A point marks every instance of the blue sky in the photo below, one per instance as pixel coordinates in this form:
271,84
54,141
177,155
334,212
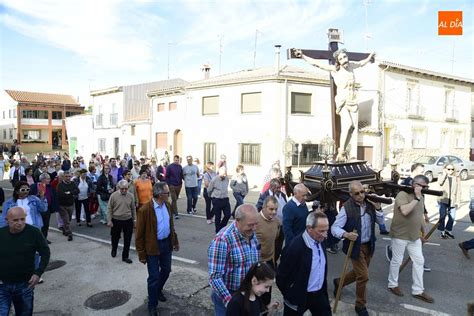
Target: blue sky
69,46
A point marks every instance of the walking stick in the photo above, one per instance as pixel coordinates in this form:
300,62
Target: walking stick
427,236
343,274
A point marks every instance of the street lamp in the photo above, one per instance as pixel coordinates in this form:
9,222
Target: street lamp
326,151
287,147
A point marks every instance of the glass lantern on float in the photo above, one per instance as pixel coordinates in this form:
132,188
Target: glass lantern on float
287,147
326,151
397,143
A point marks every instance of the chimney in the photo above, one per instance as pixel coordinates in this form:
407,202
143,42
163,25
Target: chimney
277,58
206,69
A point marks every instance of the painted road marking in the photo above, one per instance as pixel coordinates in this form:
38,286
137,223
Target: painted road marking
121,245
423,310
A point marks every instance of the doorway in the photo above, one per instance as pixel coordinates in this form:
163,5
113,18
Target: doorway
178,142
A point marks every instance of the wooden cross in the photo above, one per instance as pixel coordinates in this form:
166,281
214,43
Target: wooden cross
328,54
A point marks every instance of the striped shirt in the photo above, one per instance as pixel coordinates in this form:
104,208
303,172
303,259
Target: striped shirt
230,256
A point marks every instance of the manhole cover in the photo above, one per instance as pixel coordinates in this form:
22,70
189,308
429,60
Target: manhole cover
107,299
55,264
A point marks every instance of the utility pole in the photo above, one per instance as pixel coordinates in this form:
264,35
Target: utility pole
452,60
255,48
367,35
220,52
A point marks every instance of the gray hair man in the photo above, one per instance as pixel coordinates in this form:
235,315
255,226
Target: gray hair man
302,272
295,213
19,243
67,190
121,216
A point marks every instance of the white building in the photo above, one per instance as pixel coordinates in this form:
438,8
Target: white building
247,116
430,111
122,119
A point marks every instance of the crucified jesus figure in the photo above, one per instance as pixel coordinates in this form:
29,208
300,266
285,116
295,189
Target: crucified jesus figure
346,98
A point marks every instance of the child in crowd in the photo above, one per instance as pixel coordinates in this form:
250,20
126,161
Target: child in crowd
246,301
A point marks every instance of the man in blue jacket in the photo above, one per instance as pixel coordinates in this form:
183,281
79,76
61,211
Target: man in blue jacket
295,213
301,275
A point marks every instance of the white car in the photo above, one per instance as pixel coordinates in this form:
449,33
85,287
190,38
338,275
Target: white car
434,166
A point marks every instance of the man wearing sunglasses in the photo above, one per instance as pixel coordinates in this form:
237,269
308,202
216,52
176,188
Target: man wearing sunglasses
408,219
360,214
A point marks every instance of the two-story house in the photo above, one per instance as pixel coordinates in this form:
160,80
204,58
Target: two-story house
36,119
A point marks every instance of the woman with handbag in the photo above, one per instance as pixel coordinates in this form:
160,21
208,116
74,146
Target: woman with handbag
104,189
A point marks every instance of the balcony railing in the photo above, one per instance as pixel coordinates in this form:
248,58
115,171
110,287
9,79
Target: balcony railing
416,112
452,115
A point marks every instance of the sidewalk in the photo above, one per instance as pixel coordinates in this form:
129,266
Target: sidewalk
90,269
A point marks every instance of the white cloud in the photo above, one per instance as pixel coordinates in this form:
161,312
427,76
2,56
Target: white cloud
97,31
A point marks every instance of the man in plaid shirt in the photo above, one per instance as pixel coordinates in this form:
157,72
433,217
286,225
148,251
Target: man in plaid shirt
231,254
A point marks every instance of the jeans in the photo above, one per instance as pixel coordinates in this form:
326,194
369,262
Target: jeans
199,186
220,206
85,203
219,307
192,196
207,198
468,244
414,251
102,208
127,227
239,200
159,268
443,211
20,295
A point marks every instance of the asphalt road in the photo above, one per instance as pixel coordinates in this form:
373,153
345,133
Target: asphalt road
450,282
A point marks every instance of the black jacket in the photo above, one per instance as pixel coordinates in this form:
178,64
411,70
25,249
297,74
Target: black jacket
67,199
294,270
102,184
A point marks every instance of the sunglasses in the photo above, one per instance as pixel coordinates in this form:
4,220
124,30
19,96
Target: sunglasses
24,190
358,193
450,169
424,186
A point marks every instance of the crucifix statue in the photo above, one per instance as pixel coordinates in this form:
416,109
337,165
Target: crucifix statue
343,91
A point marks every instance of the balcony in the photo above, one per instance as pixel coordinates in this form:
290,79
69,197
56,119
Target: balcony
452,115
34,121
416,112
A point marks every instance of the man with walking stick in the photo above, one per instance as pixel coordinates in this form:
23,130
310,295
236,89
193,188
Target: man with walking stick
356,224
408,218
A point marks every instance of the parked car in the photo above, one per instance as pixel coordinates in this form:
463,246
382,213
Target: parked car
434,166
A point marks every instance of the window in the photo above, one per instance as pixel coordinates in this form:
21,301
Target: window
68,114
113,119
14,113
132,130
251,102
31,134
98,119
160,107
57,115
101,145
209,153
249,154
418,138
9,113
300,103
413,98
4,132
3,114
459,139
306,156
11,133
210,105
161,140
448,99
32,114
173,106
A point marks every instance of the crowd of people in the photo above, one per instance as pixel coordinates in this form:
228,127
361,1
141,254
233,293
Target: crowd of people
278,239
